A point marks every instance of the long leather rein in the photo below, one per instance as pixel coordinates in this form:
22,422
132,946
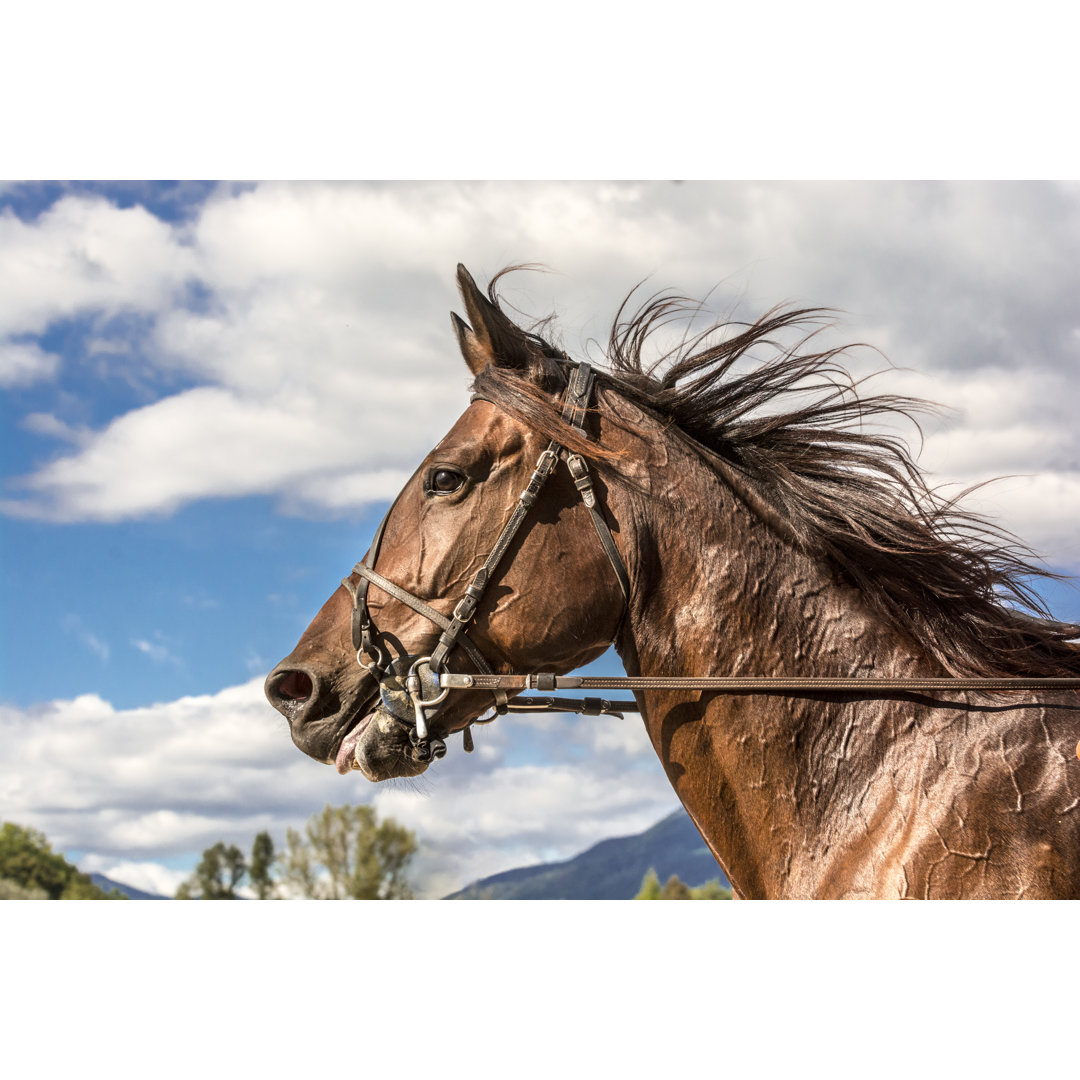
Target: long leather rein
413,688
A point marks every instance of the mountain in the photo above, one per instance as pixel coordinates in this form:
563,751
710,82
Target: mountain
609,870
102,882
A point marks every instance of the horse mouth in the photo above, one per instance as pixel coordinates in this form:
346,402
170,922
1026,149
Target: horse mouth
345,759
377,745
353,730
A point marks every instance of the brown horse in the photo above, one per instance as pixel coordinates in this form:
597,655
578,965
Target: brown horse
778,541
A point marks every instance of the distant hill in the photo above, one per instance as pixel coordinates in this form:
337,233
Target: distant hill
102,882
609,870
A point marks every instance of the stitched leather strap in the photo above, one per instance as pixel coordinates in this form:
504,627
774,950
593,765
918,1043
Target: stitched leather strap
744,684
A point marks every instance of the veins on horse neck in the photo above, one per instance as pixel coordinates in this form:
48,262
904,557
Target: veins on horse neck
723,594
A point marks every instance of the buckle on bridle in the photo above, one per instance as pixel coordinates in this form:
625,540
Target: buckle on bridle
466,606
579,470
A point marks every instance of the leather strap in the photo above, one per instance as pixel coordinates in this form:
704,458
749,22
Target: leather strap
746,684
437,617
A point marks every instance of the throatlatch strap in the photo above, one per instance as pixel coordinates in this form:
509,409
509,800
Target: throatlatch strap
574,412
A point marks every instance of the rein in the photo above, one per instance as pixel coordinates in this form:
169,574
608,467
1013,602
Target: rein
413,688
742,684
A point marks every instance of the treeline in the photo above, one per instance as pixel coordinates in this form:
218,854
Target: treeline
31,870
343,853
674,889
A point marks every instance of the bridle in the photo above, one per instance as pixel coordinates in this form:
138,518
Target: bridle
413,688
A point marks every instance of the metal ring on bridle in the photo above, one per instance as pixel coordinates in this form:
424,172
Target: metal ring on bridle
379,663
415,675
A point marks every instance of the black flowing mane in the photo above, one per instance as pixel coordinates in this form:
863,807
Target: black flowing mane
790,423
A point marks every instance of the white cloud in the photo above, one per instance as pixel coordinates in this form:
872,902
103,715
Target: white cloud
86,255
326,368
157,651
1046,504
151,877
136,787
22,363
1014,428
210,442
47,424
524,815
72,624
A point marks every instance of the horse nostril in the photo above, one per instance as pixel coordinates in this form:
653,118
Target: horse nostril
296,686
301,696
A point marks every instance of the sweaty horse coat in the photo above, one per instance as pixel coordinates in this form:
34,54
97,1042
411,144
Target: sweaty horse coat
789,543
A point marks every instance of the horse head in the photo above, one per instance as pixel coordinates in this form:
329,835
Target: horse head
551,599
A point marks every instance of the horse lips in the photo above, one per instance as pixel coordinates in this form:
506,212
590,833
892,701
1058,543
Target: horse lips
346,756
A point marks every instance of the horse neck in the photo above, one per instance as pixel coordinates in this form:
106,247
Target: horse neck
720,581
718,590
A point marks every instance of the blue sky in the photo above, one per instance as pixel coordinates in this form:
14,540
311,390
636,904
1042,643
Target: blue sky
147,608
201,393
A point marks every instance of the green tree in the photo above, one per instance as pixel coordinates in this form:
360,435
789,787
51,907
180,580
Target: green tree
10,890
32,870
344,852
216,877
674,889
650,886
262,862
711,890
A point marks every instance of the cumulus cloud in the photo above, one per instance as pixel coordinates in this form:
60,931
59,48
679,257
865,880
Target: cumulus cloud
86,255
47,424
1012,428
150,877
525,815
210,442
135,790
312,317
204,442
24,363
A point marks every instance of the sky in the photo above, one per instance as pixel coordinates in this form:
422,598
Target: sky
211,392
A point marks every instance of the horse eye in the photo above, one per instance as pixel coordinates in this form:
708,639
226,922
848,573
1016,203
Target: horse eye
446,481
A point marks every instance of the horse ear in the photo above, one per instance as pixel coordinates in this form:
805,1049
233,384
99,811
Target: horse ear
492,338
476,355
